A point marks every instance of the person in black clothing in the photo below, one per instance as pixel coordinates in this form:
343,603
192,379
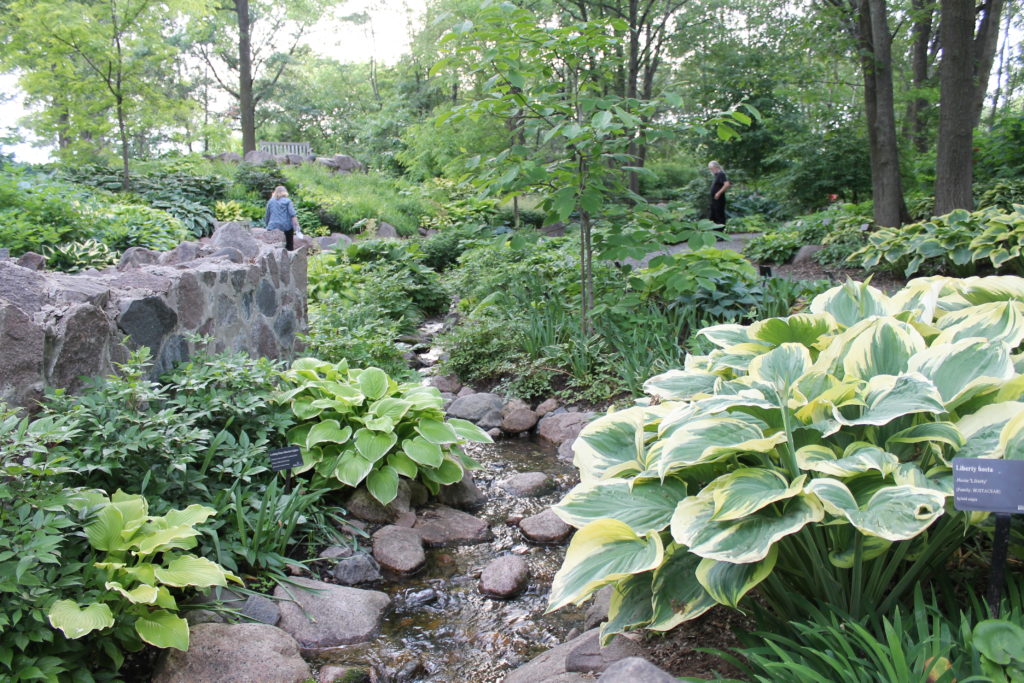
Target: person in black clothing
718,187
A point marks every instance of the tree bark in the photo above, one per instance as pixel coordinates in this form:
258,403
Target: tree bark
984,48
246,102
953,163
922,36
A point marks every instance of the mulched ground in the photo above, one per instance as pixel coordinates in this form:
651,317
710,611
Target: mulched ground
679,651
887,282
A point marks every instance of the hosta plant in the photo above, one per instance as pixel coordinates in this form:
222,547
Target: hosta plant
807,455
73,257
144,560
359,425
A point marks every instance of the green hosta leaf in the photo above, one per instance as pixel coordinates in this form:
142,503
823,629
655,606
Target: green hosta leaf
801,328
871,547
383,484
1000,321
602,552
677,385
304,408
394,408
982,429
467,431
373,382
748,489
883,347
1011,439
104,531
379,424
888,397
1000,641
611,445
851,303
448,473
678,595
939,432
165,539
424,398
328,431
189,570
142,594
711,439
75,621
991,289
162,629
727,583
724,336
374,445
961,369
190,516
403,464
423,452
643,505
858,458
743,540
437,432
894,513
352,469
780,369
630,605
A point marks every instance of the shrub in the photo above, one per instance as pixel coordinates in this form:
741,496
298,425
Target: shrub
121,226
1003,195
806,456
719,283
774,247
260,179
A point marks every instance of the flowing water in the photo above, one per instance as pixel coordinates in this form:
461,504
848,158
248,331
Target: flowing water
439,627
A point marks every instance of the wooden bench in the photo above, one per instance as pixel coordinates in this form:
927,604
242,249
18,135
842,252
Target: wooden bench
302,148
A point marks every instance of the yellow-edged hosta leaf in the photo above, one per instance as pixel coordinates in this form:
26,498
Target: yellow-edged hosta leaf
1011,439
677,385
780,368
424,398
909,474
611,445
719,403
383,484
984,290
189,570
352,468
727,583
937,432
165,539
373,382
644,505
882,348
726,335
894,513
374,445
846,555
743,540
858,457
678,595
921,296
422,452
736,358
802,328
747,490
887,397
403,464
467,431
630,605
448,473
983,428
604,551
75,621
394,408
961,369
329,431
997,321
710,439
851,303
142,594
163,629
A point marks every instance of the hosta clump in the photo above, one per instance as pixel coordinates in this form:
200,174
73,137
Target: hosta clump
360,425
805,455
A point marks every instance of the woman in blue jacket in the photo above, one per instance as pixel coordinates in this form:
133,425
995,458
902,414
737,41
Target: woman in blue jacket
281,216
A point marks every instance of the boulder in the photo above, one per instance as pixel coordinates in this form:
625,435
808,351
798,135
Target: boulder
520,420
32,261
464,494
440,525
334,239
475,407
546,407
327,161
249,653
528,484
446,384
234,157
183,253
588,656
252,606
491,420
326,615
346,164
560,427
359,568
293,159
554,664
505,577
133,257
257,157
565,451
229,253
635,670
237,236
597,611
399,549
545,527
386,231
464,391
367,508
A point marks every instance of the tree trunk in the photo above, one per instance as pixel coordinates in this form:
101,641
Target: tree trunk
984,52
246,103
922,36
953,164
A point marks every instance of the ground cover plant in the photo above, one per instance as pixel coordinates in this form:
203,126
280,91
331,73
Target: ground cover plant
807,456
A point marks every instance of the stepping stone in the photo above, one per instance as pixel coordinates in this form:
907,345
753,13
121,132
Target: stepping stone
440,525
546,527
399,549
234,652
326,615
465,494
505,577
359,568
528,484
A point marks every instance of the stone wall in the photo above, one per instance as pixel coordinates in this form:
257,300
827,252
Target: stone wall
240,287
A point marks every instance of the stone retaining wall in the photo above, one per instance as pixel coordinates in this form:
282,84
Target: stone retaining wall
241,287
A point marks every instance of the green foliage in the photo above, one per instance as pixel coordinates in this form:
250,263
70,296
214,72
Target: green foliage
667,175
72,257
1002,194
158,181
441,251
835,164
261,179
361,331
359,425
774,247
721,284
231,210
807,456
999,156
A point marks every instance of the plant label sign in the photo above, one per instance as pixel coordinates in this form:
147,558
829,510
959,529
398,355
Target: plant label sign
988,485
285,458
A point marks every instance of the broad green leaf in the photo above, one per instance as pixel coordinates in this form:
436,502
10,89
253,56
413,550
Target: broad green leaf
999,321
403,464
374,445
373,382
448,473
938,432
708,440
424,398
467,431
604,551
1011,439
75,621
727,583
859,458
741,541
383,484
780,368
162,629
328,431
165,539
394,408
801,328
724,336
852,302
1001,641
142,594
423,452
352,469
845,556
960,369
991,289
304,408
887,397
643,505
678,594
894,513
190,516
748,489
677,385
437,432
104,531
189,570
882,348
982,429
630,605
611,445
379,424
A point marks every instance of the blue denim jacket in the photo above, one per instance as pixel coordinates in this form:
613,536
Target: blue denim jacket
279,214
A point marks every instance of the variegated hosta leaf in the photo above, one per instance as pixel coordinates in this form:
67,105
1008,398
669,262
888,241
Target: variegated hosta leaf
719,403
747,490
894,513
882,348
677,385
887,397
937,432
710,439
998,321
602,552
724,336
858,457
630,606
727,583
743,540
961,369
845,555
163,629
678,595
921,296
1011,439
611,445
851,303
735,358
189,570
780,369
643,505
940,479
982,429
983,290
801,328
